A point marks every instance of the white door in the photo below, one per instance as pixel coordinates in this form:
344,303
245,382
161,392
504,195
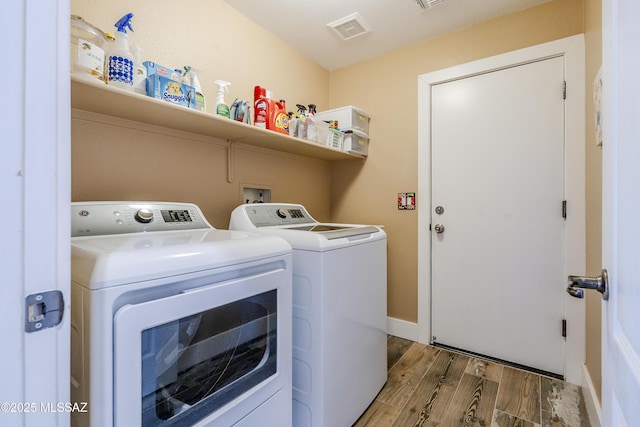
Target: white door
621,212
35,180
497,193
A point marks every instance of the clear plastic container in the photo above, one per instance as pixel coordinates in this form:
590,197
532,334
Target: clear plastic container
335,138
87,49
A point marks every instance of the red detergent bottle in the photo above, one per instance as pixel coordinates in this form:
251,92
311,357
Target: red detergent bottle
268,113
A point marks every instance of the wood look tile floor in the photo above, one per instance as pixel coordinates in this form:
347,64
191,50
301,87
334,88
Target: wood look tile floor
428,386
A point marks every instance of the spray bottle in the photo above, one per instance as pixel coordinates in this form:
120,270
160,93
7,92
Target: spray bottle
121,61
191,77
222,109
292,123
310,130
240,111
296,126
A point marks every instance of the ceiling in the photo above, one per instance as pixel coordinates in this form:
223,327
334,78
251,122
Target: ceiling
393,23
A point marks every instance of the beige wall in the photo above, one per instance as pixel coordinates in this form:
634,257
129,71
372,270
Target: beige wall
220,42
386,87
115,160
593,43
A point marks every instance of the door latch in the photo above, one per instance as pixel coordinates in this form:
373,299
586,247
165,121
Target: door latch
43,310
599,283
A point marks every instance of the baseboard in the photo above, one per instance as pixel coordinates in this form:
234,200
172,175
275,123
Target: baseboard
590,396
402,328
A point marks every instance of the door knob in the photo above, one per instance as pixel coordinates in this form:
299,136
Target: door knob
439,228
599,283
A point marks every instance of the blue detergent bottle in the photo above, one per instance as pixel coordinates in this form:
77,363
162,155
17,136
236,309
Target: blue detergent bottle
121,60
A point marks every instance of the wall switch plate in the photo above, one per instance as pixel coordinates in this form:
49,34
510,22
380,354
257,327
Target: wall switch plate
406,201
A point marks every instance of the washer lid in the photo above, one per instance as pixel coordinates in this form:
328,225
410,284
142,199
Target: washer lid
299,228
104,261
335,231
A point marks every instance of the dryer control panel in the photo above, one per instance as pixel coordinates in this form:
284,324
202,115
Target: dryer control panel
102,218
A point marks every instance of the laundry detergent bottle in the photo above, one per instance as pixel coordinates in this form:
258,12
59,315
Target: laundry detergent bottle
260,107
280,119
121,60
268,113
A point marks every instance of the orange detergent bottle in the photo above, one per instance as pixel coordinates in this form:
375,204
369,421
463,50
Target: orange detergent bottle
269,113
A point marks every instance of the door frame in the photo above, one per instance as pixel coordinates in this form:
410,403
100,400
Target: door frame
36,189
572,50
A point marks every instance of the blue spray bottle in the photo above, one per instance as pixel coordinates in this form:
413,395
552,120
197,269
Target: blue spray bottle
121,60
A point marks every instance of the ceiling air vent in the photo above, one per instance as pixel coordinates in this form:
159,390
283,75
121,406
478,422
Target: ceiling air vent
429,3
350,26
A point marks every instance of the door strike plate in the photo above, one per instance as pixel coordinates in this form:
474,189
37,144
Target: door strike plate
43,310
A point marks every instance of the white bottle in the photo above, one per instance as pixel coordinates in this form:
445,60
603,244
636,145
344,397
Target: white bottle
121,61
108,47
193,79
139,71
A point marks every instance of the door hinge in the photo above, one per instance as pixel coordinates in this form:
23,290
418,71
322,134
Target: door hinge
564,89
564,328
564,209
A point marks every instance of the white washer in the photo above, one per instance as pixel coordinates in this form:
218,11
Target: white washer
176,323
339,311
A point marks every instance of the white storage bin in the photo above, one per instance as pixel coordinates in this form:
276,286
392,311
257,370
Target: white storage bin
355,142
349,117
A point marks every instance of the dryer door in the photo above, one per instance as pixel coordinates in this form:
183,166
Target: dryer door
210,353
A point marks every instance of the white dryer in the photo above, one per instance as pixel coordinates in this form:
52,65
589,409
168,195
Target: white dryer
176,323
339,310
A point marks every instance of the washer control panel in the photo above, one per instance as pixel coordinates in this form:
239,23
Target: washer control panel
101,218
273,214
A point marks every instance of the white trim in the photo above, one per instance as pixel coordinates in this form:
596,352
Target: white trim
572,50
594,409
35,172
402,328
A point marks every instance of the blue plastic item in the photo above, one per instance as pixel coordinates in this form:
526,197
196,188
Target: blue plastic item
124,23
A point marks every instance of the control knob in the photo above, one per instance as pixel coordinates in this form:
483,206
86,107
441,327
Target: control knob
281,213
144,215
